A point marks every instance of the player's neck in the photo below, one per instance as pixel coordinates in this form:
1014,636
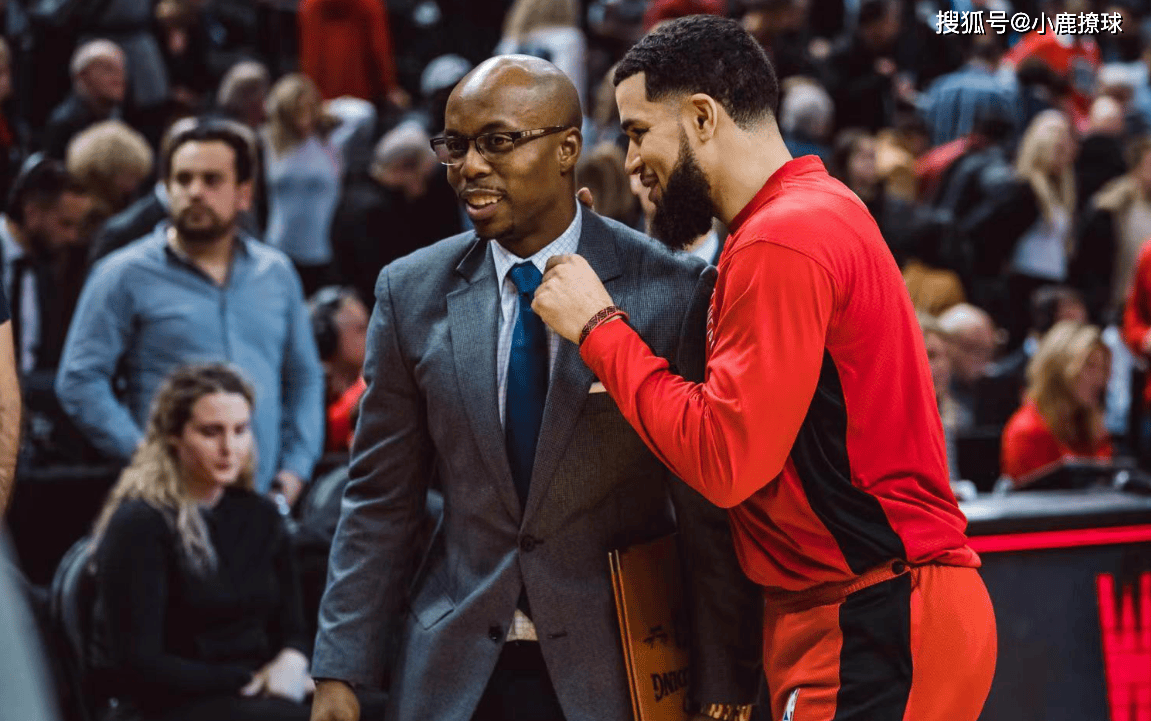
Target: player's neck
760,154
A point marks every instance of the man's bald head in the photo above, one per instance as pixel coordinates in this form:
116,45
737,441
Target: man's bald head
532,84
519,118
975,340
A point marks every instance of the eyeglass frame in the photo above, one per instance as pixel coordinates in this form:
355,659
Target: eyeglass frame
516,136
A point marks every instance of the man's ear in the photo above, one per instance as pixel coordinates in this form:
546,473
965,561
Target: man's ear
569,149
244,195
703,115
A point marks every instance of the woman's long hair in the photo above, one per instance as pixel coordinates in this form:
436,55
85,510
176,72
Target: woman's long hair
154,476
1054,188
1051,375
287,97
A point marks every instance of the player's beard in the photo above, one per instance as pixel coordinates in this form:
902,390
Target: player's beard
684,211
216,229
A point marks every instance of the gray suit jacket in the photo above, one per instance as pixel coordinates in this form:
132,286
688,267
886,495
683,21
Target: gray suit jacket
431,412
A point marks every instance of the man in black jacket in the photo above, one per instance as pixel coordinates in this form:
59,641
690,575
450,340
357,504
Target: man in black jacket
99,83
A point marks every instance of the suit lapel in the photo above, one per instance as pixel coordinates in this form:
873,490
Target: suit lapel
473,315
571,378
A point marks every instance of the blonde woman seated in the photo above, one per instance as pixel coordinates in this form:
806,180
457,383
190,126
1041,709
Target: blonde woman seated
198,612
1062,412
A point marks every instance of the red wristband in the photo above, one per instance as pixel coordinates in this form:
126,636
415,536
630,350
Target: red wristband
612,311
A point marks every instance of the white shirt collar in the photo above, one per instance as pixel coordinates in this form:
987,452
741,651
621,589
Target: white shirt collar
566,243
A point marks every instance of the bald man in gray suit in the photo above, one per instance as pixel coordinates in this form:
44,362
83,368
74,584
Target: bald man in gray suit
511,614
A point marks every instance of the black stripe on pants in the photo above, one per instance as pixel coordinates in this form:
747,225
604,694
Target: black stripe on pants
875,662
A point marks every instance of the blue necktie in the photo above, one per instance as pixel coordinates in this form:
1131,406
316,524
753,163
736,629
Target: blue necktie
527,386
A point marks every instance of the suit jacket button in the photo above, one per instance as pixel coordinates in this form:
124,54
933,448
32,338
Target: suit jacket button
495,633
527,544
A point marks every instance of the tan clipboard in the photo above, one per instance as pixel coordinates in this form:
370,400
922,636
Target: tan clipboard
649,598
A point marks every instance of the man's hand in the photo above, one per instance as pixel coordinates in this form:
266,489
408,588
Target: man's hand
584,196
569,295
290,485
285,676
335,701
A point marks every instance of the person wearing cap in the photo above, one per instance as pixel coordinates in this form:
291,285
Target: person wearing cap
99,84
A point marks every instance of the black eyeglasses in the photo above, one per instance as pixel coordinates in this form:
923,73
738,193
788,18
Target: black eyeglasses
452,149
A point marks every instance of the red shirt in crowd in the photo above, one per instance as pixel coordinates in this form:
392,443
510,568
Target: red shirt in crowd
1137,311
1075,58
345,47
1029,444
816,423
340,412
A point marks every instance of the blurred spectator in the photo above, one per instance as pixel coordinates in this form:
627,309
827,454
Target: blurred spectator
1026,227
346,49
43,221
1074,59
438,80
1100,157
780,27
898,150
937,343
403,203
13,131
1040,88
198,611
1137,332
131,23
953,103
1062,416
243,91
933,287
99,84
1001,388
354,134
340,325
974,342
549,29
853,161
659,11
303,171
142,216
861,71
1045,164
184,43
1115,225
806,117
601,170
198,289
111,161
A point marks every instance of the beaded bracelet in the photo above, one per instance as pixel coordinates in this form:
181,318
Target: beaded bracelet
612,311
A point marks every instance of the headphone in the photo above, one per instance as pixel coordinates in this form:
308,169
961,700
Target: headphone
323,306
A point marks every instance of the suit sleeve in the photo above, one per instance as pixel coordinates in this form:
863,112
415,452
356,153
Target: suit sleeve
382,511
730,435
727,625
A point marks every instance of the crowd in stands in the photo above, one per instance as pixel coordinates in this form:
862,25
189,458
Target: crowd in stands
1009,174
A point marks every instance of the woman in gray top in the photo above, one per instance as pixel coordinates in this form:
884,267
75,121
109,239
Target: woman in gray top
303,174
